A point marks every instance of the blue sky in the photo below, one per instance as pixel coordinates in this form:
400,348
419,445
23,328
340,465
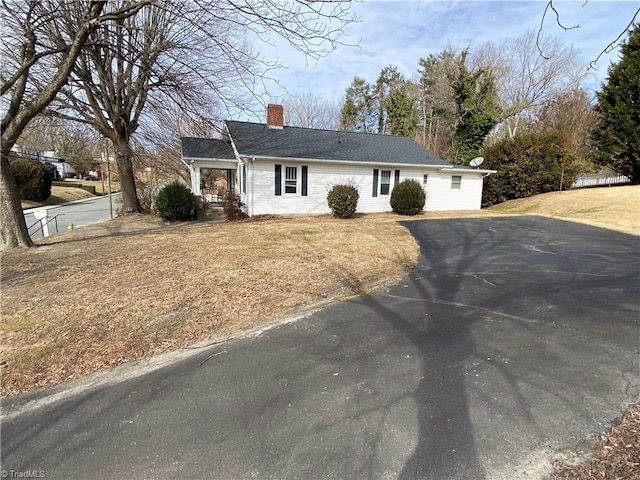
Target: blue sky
395,32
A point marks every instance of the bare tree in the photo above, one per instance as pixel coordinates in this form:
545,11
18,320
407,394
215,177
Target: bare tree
126,64
311,111
162,130
571,113
526,79
78,144
182,53
25,47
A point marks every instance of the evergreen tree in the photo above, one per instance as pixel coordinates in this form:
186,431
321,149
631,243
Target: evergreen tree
459,105
478,110
358,114
389,82
617,138
388,107
402,111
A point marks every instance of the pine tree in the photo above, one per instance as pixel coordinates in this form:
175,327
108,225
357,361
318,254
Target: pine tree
617,138
389,82
358,114
402,111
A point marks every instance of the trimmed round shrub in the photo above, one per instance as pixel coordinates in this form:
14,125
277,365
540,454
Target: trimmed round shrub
343,200
33,179
233,207
408,197
175,202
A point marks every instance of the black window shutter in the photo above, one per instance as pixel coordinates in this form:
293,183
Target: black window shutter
278,179
397,177
375,183
304,180
244,178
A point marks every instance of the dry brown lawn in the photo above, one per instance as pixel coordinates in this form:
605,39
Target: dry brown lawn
616,455
58,196
136,286
87,302
616,208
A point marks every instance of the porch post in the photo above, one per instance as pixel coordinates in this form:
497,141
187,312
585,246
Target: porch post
195,180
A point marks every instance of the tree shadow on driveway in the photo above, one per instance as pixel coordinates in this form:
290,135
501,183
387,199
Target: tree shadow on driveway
425,308
525,326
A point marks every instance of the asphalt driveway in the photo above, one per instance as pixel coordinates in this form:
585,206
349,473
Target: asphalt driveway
514,341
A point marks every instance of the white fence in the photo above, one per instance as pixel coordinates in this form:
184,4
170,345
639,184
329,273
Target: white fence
599,180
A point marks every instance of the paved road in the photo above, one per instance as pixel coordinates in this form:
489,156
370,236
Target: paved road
80,213
515,340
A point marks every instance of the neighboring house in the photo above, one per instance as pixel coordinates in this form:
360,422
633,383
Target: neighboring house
283,170
64,169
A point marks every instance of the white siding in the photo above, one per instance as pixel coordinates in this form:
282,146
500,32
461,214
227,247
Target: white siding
261,198
440,195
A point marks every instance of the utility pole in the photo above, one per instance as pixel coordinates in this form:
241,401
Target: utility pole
106,154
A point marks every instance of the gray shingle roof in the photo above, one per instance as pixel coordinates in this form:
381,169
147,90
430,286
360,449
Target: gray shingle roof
255,139
206,148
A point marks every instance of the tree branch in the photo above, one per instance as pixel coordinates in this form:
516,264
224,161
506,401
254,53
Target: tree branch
612,45
551,6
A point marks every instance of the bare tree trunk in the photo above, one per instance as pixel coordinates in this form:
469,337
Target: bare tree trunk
130,201
24,107
513,130
12,223
431,145
424,126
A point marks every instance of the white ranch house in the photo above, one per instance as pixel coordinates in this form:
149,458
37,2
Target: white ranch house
279,169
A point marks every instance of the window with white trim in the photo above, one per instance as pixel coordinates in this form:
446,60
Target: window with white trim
385,182
456,182
291,180
425,177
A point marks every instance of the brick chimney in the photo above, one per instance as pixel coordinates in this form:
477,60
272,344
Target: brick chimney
275,116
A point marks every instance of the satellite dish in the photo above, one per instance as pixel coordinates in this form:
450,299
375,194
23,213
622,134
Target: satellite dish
476,162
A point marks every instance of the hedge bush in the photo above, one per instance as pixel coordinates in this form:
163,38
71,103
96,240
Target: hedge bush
175,202
233,207
343,200
33,179
408,197
528,165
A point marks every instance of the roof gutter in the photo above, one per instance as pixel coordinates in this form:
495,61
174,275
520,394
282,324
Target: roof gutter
467,170
346,162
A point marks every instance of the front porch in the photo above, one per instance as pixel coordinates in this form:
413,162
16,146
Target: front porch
213,167
212,179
